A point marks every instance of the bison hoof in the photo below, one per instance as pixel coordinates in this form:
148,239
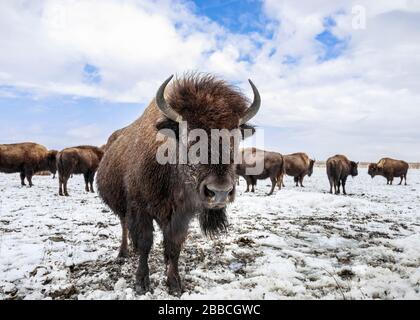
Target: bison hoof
175,286
143,286
122,256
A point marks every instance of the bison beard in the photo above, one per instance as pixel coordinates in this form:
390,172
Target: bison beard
213,221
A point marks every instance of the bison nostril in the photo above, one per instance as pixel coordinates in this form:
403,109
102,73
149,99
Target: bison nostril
208,193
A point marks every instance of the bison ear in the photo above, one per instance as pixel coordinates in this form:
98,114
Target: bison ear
247,130
165,124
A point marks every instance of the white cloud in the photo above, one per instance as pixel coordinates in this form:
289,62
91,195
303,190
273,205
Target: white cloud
368,96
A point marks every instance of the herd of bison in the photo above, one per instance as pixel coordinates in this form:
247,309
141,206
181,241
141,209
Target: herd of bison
140,190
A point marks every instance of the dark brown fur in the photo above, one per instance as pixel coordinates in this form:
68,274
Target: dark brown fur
338,169
390,169
26,158
297,165
273,167
78,160
139,189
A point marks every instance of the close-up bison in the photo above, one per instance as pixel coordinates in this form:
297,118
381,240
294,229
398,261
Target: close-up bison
27,158
140,190
203,185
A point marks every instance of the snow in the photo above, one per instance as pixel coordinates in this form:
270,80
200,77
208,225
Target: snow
300,243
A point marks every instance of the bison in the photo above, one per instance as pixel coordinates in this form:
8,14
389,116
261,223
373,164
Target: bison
390,169
140,189
297,165
272,164
338,169
78,160
27,158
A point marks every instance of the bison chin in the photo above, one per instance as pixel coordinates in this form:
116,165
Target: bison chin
213,221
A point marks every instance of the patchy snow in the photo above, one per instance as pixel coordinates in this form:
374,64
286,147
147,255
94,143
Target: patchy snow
300,243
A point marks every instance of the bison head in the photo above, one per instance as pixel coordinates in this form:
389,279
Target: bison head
204,104
311,167
372,169
353,168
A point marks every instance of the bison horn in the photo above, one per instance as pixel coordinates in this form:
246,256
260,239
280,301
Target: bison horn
255,106
163,106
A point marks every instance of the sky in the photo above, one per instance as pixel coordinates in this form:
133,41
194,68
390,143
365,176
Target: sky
334,76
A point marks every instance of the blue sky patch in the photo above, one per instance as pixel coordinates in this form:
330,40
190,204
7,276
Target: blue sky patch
91,74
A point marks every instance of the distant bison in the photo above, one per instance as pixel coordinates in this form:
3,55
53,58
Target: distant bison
78,160
338,169
26,158
297,165
271,162
140,189
390,169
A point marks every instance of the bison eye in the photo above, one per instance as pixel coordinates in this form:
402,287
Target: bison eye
208,192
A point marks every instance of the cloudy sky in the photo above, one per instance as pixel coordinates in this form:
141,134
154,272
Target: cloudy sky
335,76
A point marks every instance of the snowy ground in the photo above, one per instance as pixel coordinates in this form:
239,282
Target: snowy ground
296,244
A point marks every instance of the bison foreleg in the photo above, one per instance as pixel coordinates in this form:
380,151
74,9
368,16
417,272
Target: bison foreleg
140,225
86,176
22,179
28,174
301,181
172,249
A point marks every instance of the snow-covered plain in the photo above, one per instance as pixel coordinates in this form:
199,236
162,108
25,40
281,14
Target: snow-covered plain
300,243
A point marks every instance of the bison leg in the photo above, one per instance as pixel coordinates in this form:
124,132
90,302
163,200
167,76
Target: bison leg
301,181
296,181
28,174
65,180
248,183
337,186
60,185
91,178
172,249
343,183
140,225
273,186
86,176
123,254
22,179
402,177
405,179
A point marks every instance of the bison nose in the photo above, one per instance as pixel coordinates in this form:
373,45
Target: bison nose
218,196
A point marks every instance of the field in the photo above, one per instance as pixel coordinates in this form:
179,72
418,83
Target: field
300,243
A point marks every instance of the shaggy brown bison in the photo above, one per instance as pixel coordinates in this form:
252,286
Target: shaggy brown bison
78,160
390,169
140,189
271,164
338,169
297,165
26,158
